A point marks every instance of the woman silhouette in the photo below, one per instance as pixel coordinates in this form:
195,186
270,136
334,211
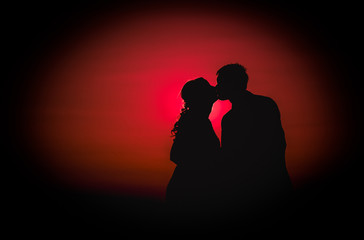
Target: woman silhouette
195,149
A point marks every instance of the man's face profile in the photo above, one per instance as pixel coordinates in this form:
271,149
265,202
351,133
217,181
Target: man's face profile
224,87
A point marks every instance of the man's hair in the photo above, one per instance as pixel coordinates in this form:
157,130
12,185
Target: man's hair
235,72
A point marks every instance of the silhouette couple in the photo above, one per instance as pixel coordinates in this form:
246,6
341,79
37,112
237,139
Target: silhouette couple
246,173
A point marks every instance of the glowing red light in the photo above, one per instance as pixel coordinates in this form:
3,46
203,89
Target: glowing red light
111,96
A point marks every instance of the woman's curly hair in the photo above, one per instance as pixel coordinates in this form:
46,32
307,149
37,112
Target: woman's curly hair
179,122
193,92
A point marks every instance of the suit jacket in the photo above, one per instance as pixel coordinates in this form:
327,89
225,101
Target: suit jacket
253,145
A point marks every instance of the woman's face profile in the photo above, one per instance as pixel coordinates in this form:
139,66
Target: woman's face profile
199,94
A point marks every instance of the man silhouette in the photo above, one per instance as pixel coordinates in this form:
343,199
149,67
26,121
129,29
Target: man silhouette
253,144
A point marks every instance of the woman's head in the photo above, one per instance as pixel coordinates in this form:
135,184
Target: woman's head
198,94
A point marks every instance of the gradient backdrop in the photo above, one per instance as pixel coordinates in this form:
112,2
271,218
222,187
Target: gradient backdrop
107,93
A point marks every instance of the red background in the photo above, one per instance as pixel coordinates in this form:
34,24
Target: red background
109,94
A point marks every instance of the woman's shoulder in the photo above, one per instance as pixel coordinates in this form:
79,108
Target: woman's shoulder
193,126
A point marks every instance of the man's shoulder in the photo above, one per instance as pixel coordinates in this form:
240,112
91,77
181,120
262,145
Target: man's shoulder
264,102
267,105
263,99
227,116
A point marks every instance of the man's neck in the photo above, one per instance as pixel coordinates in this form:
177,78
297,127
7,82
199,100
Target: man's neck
239,98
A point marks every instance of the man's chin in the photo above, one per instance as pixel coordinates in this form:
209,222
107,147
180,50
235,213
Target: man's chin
222,98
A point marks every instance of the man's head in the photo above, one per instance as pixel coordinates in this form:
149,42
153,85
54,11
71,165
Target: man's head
231,80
